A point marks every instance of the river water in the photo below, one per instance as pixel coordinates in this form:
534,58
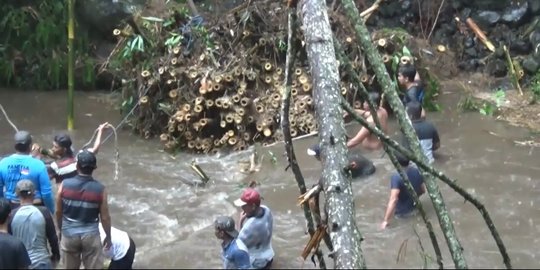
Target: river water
172,222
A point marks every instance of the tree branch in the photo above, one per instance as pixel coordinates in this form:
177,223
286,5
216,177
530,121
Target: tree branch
285,126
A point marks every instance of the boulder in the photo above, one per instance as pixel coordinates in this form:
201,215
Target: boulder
496,68
487,18
516,13
530,65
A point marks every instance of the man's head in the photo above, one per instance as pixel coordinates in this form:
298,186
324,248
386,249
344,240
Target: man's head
250,201
62,145
25,189
86,162
314,151
224,227
23,141
375,97
406,74
403,160
5,210
414,110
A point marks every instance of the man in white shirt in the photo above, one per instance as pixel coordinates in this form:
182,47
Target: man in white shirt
122,251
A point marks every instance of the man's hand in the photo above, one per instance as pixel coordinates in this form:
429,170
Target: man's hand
36,150
104,125
384,224
107,243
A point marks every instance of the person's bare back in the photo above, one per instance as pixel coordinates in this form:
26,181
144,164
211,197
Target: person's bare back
372,142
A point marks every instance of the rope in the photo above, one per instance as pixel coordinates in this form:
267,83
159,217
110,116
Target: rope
7,118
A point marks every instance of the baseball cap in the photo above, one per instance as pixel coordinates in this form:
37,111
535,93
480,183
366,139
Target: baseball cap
25,186
63,140
86,159
23,137
226,224
249,196
314,150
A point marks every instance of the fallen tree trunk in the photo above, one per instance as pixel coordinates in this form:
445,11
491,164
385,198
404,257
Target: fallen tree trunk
341,221
390,92
286,128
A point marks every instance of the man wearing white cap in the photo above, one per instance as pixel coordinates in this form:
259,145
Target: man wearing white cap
256,226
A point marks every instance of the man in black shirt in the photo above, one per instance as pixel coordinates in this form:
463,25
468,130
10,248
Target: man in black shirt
358,164
413,91
425,130
13,254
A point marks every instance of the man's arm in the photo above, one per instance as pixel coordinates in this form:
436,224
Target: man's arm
59,208
45,189
97,143
105,218
391,207
422,189
358,138
241,259
51,234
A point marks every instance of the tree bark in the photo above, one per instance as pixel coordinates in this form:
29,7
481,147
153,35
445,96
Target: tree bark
390,92
285,126
365,95
344,233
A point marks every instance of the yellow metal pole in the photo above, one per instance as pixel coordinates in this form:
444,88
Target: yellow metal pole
71,64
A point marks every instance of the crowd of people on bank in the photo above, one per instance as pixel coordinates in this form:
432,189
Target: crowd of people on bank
40,227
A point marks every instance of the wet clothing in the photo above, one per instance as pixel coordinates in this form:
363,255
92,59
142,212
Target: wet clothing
13,254
62,169
122,251
413,94
235,255
256,234
405,204
21,166
34,226
364,166
427,135
82,197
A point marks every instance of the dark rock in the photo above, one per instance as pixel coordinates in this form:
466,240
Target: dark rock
520,47
530,65
534,37
469,42
516,13
534,6
469,65
391,9
102,16
499,52
465,13
536,55
488,18
496,68
471,52
406,5
496,5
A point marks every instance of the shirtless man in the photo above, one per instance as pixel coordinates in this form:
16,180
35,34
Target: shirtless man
367,140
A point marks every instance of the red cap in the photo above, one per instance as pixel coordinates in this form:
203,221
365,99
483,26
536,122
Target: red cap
249,196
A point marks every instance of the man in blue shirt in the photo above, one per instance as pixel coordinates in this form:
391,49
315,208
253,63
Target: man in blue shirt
22,165
408,79
401,203
235,252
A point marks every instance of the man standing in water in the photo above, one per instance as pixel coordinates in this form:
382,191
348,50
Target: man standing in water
82,204
34,226
401,203
256,226
235,253
22,165
409,79
358,164
425,131
122,251
364,137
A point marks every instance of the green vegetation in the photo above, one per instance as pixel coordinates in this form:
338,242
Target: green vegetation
485,107
33,47
535,87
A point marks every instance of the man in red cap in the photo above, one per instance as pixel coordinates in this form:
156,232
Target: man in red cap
256,225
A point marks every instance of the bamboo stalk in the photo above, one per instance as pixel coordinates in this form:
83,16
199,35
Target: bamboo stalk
480,34
71,65
513,74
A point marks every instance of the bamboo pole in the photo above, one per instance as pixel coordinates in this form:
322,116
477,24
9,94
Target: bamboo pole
447,226
71,65
513,75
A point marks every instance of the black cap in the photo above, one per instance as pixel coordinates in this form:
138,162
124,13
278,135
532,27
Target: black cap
63,140
23,137
226,224
86,159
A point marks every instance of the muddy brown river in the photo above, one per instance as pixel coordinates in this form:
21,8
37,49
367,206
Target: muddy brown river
171,222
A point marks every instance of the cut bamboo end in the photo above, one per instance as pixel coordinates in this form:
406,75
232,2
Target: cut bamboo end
193,74
230,133
364,78
405,60
241,91
250,119
161,70
241,128
275,77
204,121
174,61
275,104
196,126
259,127
228,78
198,108
292,122
349,39
191,144
267,132
171,129
268,79
276,96
145,74
218,78
229,118
179,118
279,71
173,94
232,141
116,32
143,100
237,71
170,81
209,103
222,123
226,104
298,71
262,41
217,142
259,108
306,87
267,66
294,133
277,85
302,79
246,136
216,87
343,91
251,76
199,100
241,111
357,104
219,103
386,58
294,84
441,48
242,85
238,119
176,50
187,117
180,127
294,92
309,100
186,107
302,104
244,101
236,98
214,151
